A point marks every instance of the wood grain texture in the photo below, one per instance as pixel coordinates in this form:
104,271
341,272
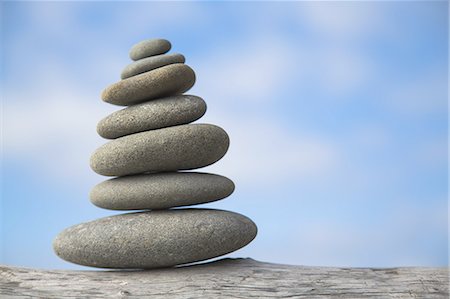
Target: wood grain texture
227,278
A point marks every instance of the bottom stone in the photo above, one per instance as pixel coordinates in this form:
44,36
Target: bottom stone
154,239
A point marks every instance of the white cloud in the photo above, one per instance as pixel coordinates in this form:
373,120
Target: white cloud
247,70
373,136
259,67
401,236
53,18
340,71
338,64
52,129
433,153
262,151
148,18
424,95
341,20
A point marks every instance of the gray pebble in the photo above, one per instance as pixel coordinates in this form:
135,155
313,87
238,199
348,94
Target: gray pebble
154,239
160,190
161,82
149,48
160,113
150,63
174,148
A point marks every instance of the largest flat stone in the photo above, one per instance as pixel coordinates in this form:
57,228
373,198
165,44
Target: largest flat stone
168,80
168,149
154,239
160,190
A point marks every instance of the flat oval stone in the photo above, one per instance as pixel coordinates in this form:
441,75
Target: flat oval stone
160,190
149,47
156,114
174,148
150,63
154,239
161,82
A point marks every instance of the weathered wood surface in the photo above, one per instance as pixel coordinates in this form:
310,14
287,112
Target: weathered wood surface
227,278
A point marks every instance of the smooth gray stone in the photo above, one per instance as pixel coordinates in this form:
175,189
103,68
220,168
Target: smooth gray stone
149,47
156,114
150,63
160,190
154,239
174,148
168,80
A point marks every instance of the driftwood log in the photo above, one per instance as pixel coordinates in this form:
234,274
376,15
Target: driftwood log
227,278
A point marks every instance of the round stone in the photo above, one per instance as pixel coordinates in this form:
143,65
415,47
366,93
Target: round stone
160,190
154,239
174,148
150,63
149,48
156,114
161,82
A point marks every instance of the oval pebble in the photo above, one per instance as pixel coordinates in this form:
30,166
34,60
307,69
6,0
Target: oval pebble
149,47
168,80
174,148
154,239
156,114
150,63
160,190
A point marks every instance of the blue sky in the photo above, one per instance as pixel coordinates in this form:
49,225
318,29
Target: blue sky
337,114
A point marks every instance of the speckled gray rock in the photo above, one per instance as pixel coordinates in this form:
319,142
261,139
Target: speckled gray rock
160,190
164,81
155,114
149,47
150,63
175,148
155,239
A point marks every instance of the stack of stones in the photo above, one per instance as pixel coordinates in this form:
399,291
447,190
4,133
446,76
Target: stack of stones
152,141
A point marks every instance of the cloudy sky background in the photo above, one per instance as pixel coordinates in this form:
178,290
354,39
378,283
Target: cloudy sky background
337,114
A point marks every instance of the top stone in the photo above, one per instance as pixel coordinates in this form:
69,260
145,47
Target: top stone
149,48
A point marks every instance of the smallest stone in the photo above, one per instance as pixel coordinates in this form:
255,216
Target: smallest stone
149,48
